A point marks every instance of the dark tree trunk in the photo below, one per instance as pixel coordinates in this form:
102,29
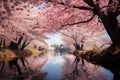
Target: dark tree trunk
15,63
111,26
116,75
15,46
77,46
81,46
25,43
77,59
2,43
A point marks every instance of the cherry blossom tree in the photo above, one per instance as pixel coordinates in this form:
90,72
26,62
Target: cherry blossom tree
20,19
80,38
64,13
75,37
83,11
73,12
106,12
20,23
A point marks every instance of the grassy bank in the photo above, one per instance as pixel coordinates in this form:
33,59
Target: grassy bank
7,54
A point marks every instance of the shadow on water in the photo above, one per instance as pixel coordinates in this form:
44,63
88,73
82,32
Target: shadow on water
54,66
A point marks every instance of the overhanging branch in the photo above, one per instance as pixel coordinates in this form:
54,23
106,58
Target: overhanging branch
73,6
70,24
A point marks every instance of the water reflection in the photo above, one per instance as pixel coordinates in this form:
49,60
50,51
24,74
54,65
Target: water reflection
60,68
87,72
54,66
14,70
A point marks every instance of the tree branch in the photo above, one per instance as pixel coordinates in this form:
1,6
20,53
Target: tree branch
104,44
89,2
73,6
80,21
82,7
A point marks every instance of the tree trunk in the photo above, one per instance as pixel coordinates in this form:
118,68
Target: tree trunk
25,43
111,25
4,44
116,75
77,46
15,46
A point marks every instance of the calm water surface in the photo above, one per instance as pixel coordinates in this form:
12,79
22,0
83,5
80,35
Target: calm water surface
54,65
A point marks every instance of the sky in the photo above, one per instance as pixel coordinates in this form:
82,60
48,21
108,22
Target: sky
42,6
54,39
106,35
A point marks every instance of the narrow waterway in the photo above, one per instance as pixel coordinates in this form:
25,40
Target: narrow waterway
57,67
53,67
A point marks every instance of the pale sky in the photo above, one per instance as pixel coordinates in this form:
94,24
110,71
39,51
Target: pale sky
41,6
54,39
106,35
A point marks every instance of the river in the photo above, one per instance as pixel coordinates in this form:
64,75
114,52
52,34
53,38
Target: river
55,66
58,66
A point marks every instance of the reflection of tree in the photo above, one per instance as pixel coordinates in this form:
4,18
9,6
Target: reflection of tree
79,37
15,46
76,61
